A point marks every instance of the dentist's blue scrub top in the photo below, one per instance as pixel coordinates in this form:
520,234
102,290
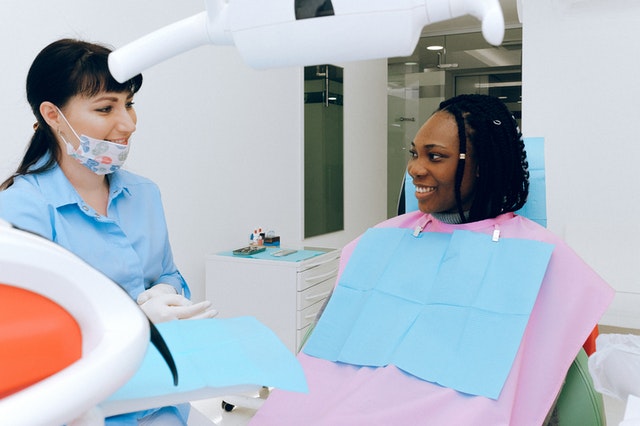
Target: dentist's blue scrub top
130,245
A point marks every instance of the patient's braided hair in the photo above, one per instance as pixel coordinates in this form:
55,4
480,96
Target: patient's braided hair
503,182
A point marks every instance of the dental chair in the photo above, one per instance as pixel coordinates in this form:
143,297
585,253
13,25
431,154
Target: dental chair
69,337
579,403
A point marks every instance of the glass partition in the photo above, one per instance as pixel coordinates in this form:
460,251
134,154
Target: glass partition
323,150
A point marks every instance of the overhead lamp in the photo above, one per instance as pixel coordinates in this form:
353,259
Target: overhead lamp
280,33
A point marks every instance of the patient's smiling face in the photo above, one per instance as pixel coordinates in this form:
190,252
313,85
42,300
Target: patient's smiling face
434,159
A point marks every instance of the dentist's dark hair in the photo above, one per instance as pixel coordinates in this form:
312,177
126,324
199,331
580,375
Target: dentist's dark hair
491,129
62,70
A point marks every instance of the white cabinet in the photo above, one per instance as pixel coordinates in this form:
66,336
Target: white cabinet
284,295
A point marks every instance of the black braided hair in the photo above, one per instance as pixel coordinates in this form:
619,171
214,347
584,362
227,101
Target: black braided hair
498,149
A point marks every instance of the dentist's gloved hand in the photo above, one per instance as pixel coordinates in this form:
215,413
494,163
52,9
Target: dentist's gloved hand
156,290
161,303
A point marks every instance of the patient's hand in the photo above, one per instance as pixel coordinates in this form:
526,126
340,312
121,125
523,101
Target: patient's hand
161,303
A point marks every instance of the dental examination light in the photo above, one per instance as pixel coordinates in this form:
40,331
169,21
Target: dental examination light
281,33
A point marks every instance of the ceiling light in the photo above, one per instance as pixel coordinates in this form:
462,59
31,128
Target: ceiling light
500,84
435,47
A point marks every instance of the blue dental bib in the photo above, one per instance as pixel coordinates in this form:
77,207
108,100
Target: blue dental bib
447,308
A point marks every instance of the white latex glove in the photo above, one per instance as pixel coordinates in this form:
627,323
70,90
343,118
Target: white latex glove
163,304
154,291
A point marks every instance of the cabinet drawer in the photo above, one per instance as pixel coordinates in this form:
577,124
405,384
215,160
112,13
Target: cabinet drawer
306,316
318,274
315,294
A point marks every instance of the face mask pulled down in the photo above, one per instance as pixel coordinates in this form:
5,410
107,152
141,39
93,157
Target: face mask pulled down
100,156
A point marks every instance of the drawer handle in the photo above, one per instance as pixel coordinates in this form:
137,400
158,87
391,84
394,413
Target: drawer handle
324,262
322,277
318,296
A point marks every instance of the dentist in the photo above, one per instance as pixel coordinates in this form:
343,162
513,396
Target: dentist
70,186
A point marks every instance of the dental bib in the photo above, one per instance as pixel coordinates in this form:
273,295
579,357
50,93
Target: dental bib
447,308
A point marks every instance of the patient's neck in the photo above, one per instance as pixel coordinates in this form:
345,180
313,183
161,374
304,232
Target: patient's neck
450,218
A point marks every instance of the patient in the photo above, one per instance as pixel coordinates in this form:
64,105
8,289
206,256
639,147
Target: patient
469,168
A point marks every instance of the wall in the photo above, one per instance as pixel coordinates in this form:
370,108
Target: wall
223,141
580,93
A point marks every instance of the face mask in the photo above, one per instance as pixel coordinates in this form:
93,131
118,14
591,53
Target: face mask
100,156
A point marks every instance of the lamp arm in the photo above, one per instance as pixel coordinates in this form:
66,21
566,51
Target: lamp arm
158,46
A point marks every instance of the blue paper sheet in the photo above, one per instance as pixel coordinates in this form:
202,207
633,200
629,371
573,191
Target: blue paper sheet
215,353
447,308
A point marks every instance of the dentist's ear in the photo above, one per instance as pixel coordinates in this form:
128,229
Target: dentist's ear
51,115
